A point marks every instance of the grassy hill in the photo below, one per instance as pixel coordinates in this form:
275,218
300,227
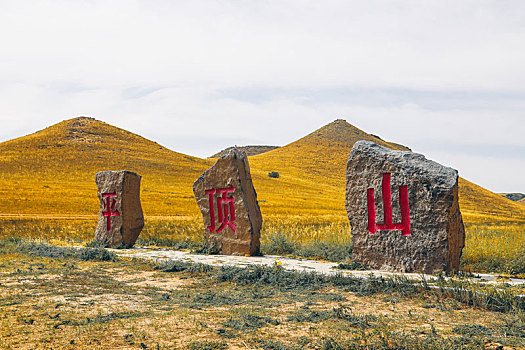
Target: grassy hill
312,177
52,172
311,171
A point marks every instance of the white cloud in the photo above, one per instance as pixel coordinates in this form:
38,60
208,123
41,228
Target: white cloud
198,76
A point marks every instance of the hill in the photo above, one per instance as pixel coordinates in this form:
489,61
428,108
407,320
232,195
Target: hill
481,205
250,150
311,171
52,172
312,177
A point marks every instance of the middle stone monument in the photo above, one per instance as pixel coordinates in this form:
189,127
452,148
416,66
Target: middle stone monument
228,202
403,209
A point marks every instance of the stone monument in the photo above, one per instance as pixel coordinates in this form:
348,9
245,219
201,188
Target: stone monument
228,202
403,210
120,219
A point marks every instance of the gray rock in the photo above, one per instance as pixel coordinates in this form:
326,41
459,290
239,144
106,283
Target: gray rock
421,228
228,202
120,219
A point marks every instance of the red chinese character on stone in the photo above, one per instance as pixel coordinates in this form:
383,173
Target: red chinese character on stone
387,224
225,209
110,208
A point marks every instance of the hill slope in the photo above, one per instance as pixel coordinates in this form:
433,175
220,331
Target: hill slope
312,177
311,171
52,170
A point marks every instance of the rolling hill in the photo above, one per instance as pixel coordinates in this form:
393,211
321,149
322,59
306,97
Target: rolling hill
52,172
311,171
312,174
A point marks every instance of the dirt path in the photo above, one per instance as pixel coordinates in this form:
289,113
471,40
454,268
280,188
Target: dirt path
323,267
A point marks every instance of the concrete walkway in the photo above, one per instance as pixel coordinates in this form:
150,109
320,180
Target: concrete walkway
322,267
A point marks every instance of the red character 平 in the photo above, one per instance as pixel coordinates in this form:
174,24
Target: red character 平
109,208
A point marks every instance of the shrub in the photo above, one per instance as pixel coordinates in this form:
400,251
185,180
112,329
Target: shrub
207,345
249,322
179,266
273,174
50,251
167,242
279,244
472,330
275,276
98,254
328,251
338,313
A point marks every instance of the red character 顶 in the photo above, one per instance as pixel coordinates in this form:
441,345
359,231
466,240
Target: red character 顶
387,224
109,207
225,209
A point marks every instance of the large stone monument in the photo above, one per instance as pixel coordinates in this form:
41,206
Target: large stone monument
403,210
228,202
120,218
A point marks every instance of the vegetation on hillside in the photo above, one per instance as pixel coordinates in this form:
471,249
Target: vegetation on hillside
48,191
52,172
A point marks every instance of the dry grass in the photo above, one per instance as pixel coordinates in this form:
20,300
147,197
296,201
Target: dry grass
48,191
52,172
495,248
68,303
488,247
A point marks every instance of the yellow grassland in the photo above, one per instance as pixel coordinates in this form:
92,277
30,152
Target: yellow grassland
483,241
52,172
49,177
498,241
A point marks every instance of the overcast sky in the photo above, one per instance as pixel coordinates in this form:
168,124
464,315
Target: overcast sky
446,78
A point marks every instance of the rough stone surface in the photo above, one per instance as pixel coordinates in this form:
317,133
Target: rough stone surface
238,235
121,189
437,234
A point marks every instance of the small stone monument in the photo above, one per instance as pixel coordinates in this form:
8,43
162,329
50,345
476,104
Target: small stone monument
403,210
120,218
228,202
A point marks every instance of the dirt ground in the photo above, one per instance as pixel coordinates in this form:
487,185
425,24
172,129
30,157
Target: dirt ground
50,303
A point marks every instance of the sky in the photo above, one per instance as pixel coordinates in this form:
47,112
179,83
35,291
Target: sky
446,78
